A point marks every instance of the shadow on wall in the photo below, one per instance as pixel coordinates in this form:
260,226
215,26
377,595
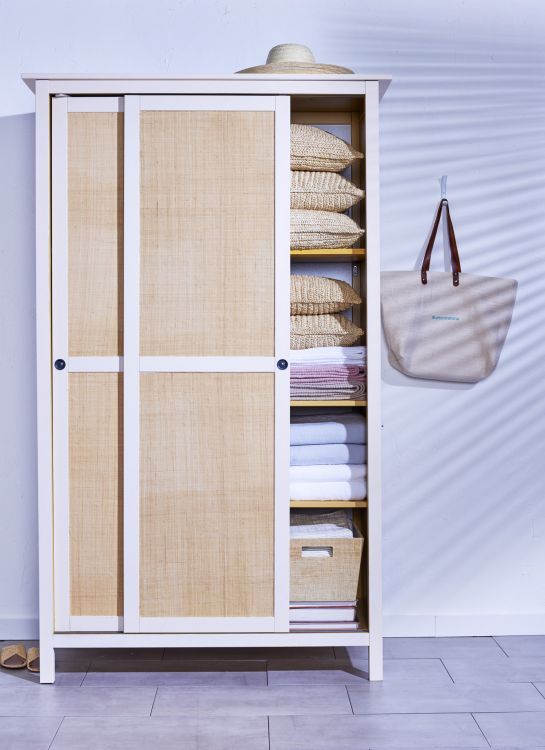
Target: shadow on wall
18,507
464,517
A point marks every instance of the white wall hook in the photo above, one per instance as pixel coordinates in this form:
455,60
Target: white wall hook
444,186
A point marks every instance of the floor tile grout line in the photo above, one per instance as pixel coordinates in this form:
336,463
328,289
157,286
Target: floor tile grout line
349,700
480,729
86,673
446,669
538,690
56,733
499,645
154,699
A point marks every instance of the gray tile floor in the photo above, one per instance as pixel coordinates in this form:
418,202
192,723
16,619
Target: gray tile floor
437,693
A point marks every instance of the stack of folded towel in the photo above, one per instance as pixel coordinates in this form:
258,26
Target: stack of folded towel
328,373
336,524
328,452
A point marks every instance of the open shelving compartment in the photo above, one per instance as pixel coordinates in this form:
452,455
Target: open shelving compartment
344,117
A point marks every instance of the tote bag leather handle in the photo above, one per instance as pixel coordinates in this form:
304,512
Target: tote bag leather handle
454,256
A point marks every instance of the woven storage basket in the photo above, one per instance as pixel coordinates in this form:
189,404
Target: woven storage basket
316,229
317,295
332,578
332,329
323,191
312,149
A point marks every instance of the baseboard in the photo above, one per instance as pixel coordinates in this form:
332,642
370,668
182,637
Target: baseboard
18,628
401,626
497,624
463,625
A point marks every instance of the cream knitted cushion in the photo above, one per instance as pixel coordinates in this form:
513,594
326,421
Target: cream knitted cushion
316,229
334,329
316,295
323,191
312,149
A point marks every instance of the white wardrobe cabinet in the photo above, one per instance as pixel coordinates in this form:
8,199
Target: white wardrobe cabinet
163,264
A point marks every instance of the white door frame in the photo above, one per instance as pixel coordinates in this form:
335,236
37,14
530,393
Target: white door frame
60,107
133,364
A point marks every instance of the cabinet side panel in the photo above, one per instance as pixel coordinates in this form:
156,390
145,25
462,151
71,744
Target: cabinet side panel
96,502
207,233
95,233
207,495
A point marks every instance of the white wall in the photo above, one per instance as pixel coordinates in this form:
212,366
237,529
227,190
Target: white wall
464,524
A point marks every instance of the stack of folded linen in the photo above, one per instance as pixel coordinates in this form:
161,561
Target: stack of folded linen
328,373
336,524
328,456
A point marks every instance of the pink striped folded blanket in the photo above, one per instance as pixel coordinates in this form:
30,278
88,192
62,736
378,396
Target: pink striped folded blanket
327,382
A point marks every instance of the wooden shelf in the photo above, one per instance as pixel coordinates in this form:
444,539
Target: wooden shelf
354,254
343,402
309,630
328,503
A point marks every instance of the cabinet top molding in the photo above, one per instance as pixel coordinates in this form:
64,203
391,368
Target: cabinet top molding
350,84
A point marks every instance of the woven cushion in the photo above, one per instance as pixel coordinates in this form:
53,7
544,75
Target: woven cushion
316,295
308,331
323,191
312,149
315,229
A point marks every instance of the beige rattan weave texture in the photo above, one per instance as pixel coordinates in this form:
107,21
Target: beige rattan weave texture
96,493
207,233
207,495
95,233
332,578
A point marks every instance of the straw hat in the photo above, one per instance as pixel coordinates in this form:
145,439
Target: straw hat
293,58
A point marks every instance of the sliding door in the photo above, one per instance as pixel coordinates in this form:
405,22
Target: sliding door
87,295
202,274
172,394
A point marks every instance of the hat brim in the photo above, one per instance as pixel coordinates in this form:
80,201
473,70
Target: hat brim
297,68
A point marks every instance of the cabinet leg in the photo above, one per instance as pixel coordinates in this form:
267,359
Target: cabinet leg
47,664
375,659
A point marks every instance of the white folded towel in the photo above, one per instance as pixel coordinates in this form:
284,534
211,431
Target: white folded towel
312,525
354,489
339,453
320,531
339,428
325,355
327,473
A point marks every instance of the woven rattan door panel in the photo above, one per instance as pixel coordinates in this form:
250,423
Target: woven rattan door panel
95,233
206,495
207,233
95,435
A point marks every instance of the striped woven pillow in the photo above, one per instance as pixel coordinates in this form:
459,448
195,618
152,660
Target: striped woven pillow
316,295
323,191
322,229
308,331
313,149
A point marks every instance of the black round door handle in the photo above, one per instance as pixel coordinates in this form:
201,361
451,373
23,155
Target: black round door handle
282,364
60,364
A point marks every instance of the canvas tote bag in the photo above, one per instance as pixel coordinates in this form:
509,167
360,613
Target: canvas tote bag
445,326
